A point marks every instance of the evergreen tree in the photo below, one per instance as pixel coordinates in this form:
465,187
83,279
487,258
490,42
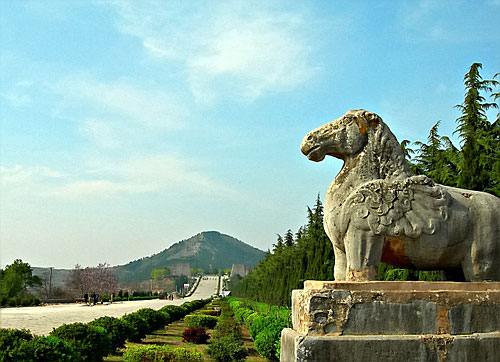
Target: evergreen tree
438,158
289,238
475,168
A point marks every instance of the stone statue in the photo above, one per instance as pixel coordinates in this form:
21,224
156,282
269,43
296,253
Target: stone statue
376,210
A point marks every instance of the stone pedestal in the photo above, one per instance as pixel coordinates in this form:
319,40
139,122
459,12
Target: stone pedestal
394,321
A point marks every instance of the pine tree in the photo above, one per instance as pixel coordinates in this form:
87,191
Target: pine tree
475,168
289,238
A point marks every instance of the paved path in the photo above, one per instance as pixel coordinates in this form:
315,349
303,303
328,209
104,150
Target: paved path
41,320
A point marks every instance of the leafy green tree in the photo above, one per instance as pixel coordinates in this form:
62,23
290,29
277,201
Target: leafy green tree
160,273
16,278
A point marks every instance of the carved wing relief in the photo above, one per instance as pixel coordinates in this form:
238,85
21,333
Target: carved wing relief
408,207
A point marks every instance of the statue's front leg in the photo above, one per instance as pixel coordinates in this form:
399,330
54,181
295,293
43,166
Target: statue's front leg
363,252
340,263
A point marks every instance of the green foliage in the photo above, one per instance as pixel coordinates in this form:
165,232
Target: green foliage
90,343
11,341
200,320
46,349
117,330
227,344
160,354
19,345
155,319
176,312
14,281
138,327
265,329
477,134
227,349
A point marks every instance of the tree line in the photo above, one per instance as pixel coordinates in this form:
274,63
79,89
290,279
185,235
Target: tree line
474,165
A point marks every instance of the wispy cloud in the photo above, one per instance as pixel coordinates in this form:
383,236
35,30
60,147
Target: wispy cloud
153,108
228,49
161,174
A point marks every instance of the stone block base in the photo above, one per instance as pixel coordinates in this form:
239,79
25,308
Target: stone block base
479,347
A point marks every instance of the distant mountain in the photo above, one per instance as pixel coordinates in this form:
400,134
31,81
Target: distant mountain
206,250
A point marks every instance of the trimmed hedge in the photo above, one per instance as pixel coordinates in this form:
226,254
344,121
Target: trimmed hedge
227,349
117,329
20,345
138,327
11,341
90,343
265,330
160,353
154,318
200,320
95,340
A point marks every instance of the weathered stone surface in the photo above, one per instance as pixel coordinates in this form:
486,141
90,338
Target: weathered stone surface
472,318
346,308
395,348
375,210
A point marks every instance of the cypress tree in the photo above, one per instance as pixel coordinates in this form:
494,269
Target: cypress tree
474,131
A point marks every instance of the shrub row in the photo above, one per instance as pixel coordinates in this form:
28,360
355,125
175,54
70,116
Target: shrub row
161,353
265,330
27,301
91,341
226,343
200,320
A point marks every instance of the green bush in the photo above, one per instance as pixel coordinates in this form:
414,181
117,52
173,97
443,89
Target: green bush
160,354
176,312
227,327
48,348
138,327
265,341
200,320
155,319
117,330
11,341
241,314
227,349
260,323
90,343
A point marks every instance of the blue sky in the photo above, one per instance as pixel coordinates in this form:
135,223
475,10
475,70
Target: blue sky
129,125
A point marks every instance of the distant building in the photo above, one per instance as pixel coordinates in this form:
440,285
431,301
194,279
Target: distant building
240,269
180,269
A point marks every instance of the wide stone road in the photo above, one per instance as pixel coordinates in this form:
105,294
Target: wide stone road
41,320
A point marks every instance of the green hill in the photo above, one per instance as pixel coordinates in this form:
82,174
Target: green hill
209,250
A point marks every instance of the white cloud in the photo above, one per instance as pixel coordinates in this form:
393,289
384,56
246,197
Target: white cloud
153,108
161,174
228,49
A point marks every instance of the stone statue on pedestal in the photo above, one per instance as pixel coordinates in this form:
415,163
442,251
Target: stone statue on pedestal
376,210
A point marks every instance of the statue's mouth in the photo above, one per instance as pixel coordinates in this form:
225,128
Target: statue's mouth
314,154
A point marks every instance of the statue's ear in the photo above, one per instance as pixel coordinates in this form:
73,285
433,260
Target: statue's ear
372,119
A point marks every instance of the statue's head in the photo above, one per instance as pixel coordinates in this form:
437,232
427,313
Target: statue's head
342,138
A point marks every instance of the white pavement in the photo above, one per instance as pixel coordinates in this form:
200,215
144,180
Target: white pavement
41,320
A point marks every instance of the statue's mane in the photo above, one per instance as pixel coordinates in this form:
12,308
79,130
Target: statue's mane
384,154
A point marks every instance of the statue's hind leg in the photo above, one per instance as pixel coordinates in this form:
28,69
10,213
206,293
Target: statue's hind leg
363,251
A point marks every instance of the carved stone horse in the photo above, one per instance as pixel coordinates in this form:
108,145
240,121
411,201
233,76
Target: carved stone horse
375,210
